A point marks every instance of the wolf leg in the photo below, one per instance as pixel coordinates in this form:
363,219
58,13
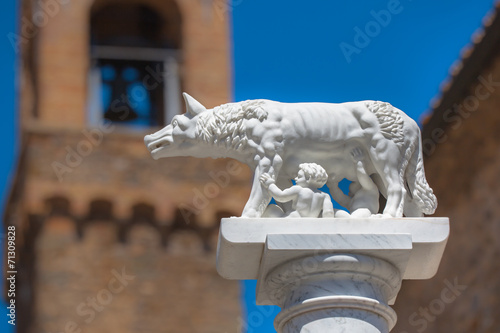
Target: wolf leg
386,159
255,205
260,196
365,197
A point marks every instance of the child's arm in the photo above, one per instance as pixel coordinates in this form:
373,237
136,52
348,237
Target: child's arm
285,195
279,195
328,210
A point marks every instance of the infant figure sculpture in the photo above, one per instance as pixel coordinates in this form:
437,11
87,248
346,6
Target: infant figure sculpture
373,144
306,200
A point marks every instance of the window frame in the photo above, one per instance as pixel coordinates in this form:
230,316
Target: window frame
171,78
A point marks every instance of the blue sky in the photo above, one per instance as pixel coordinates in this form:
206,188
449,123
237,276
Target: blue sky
291,51
8,136
8,130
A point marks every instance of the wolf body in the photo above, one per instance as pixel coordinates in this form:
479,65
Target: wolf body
368,142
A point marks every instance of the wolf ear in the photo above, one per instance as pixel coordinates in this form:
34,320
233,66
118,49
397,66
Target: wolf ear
193,106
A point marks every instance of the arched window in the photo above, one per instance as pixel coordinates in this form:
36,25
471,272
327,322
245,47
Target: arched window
134,78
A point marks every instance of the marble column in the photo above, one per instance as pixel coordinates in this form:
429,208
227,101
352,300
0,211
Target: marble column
330,275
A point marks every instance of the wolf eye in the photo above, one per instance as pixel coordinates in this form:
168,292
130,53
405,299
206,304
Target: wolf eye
174,123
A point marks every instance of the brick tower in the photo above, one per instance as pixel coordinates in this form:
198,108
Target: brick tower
108,239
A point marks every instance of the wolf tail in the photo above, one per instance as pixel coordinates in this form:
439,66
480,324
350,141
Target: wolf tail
421,192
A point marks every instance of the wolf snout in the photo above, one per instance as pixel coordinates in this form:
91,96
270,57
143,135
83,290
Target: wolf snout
158,143
148,139
149,142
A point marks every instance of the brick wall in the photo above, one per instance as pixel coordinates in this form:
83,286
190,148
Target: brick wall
464,171
162,222
98,284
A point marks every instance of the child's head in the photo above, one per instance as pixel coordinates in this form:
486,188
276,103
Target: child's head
314,173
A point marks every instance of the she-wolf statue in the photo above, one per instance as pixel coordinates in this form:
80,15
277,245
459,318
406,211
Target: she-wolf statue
371,143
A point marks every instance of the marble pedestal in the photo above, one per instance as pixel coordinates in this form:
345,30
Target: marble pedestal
331,274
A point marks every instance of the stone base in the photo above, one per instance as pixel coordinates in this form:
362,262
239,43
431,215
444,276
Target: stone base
331,292
331,274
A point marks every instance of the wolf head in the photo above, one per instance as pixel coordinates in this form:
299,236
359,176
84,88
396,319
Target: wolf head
179,138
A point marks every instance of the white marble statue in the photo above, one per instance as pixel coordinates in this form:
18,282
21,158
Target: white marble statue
371,143
306,199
